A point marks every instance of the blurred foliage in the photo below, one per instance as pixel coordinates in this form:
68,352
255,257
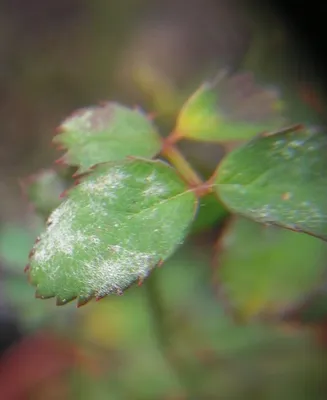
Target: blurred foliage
43,191
229,109
57,56
218,358
263,269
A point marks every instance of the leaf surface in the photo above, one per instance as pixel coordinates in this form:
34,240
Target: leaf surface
279,179
106,133
235,108
115,226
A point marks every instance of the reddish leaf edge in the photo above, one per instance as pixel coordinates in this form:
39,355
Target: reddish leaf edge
83,300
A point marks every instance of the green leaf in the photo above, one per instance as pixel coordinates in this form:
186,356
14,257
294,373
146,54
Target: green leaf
237,109
106,133
116,225
263,270
279,179
43,190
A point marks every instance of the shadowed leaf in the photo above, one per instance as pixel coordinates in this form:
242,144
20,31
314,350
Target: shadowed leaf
312,310
210,212
264,270
43,191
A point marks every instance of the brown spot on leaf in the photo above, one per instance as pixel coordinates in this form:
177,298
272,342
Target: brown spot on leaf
286,196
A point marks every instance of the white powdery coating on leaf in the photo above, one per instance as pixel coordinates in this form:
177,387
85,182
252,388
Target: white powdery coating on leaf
105,276
303,213
59,237
81,121
105,185
155,189
152,177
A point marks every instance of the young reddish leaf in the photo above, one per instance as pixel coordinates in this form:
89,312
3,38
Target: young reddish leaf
43,191
263,270
279,179
234,109
106,133
111,231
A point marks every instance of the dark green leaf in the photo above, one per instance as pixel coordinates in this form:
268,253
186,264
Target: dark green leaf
279,179
114,227
263,270
106,133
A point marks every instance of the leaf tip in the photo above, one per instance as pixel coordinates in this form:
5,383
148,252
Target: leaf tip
63,194
83,300
39,295
31,253
60,161
100,297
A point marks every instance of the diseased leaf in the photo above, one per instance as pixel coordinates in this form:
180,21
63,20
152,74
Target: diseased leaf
115,226
43,190
264,270
234,109
106,133
279,179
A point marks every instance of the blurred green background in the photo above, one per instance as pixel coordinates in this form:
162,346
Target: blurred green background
174,337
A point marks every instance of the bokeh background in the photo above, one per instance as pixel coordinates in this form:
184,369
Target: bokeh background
171,338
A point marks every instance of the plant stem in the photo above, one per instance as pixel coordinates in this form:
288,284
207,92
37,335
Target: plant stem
157,311
176,158
163,333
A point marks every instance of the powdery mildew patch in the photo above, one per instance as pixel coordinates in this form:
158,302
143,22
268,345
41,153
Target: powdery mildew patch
95,246
104,276
59,236
81,121
155,189
105,185
304,213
